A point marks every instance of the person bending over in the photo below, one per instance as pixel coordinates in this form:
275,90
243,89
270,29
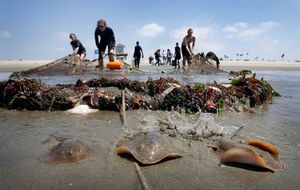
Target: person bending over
78,48
107,39
186,48
213,56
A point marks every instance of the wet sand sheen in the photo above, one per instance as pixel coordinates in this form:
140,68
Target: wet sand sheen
25,136
23,141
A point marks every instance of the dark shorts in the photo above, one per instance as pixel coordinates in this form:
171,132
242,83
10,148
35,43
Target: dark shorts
81,52
184,51
102,48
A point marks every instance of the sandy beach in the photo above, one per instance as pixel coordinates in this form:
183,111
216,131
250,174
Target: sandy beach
278,64
17,65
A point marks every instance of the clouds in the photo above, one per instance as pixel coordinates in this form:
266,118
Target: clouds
232,38
151,30
257,39
245,31
4,34
200,32
208,37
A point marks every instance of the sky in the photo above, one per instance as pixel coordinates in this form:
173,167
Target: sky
39,29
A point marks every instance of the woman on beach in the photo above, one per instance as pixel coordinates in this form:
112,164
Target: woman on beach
77,46
187,50
107,38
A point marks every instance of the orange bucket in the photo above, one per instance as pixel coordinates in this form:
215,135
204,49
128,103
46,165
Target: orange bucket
114,65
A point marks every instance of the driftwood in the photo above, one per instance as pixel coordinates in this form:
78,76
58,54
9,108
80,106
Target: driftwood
141,176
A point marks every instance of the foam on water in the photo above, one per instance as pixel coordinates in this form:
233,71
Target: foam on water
197,127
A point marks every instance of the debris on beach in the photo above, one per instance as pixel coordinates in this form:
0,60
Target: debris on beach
148,148
204,65
242,94
198,127
253,153
199,64
240,73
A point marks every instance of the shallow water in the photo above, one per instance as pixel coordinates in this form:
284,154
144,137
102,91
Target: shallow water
25,136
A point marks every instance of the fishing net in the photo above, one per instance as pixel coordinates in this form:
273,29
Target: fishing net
68,66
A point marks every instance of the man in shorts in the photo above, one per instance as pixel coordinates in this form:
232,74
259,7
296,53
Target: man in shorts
187,49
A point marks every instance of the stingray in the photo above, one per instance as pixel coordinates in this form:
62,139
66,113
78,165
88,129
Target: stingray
257,153
149,148
69,150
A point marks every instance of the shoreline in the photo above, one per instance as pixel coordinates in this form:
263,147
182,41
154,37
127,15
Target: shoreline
282,64
21,65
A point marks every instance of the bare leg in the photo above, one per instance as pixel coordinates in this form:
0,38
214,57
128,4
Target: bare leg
100,62
76,60
81,58
111,57
183,63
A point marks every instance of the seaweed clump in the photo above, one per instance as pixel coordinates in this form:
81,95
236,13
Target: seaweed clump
242,94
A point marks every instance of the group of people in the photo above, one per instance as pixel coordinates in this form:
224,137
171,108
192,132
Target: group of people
105,38
186,50
162,58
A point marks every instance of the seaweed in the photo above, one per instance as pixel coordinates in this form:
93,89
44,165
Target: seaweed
161,94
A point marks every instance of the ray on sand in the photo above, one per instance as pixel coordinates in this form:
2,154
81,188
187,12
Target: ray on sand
253,152
149,148
69,150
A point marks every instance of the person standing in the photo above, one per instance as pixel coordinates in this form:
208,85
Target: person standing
163,55
107,39
186,48
169,57
177,56
157,57
138,52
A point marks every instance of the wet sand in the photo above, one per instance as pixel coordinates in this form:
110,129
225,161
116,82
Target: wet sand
25,139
